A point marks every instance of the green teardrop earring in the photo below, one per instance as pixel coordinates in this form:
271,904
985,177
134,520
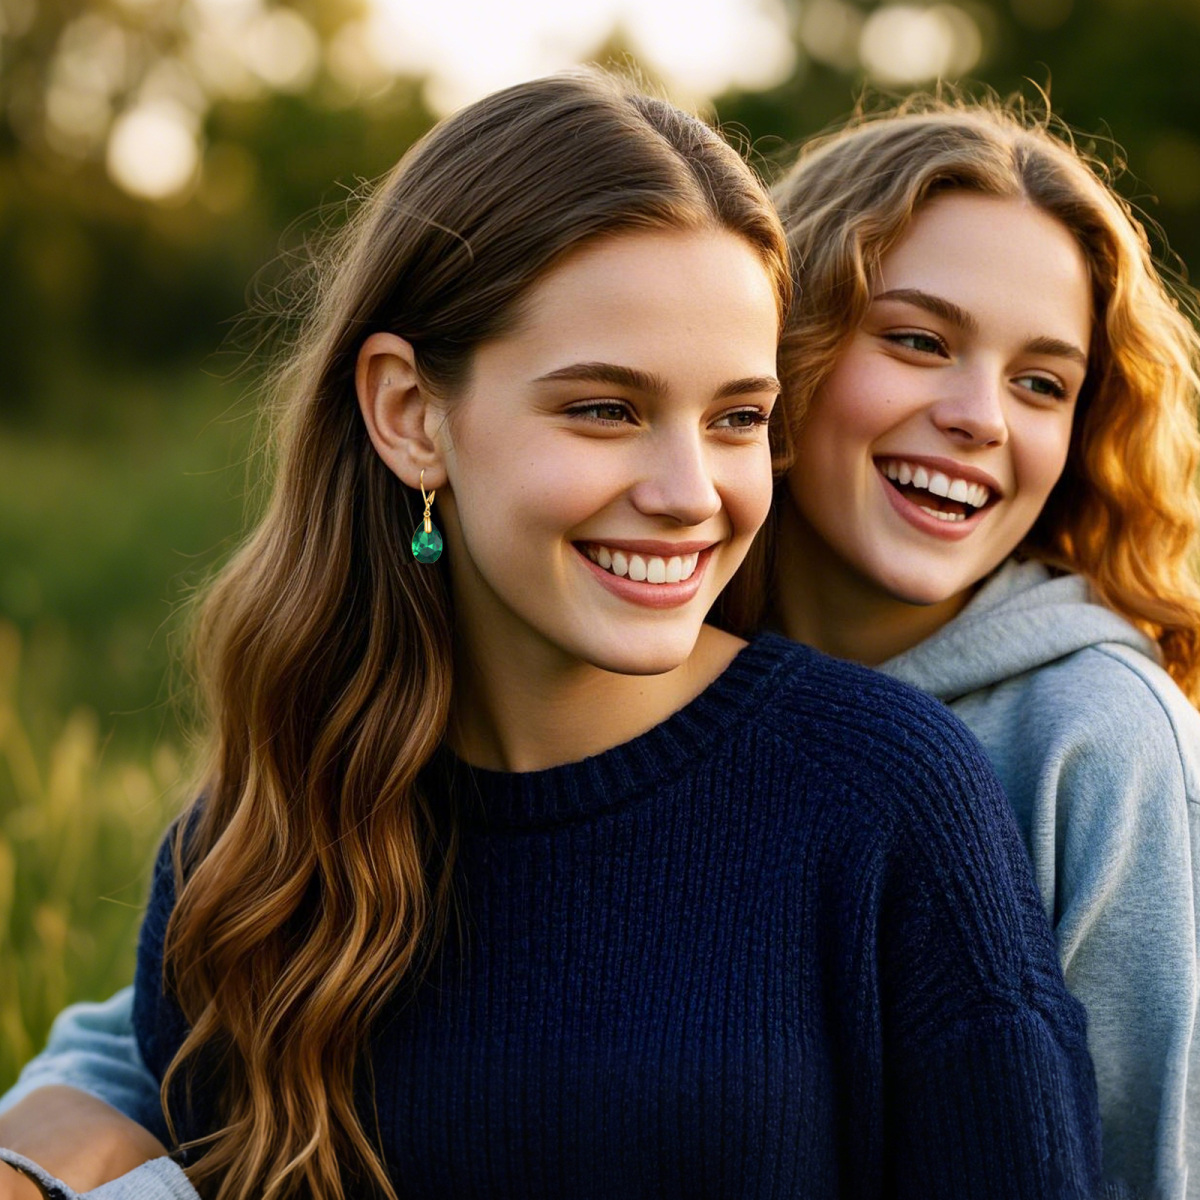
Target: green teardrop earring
427,542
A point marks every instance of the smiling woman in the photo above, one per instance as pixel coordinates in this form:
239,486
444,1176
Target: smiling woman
628,410
994,498
509,875
933,444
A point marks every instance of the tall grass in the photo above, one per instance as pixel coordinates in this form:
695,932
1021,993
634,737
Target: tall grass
78,830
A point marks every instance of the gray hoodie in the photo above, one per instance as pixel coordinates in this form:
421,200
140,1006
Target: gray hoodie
1099,752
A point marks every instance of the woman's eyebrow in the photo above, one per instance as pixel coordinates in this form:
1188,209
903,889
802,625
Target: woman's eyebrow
648,382
949,311
938,305
1058,349
750,386
613,373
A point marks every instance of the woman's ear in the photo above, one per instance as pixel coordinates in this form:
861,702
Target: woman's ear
396,408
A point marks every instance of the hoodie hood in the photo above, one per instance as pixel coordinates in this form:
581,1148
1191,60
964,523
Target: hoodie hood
1021,619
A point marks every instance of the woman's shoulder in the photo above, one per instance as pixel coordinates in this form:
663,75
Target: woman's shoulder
898,754
838,703
925,839
1112,709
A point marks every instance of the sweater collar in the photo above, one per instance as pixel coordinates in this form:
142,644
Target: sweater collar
507,800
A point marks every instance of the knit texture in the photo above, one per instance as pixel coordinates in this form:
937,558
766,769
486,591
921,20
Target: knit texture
1098,752
784,944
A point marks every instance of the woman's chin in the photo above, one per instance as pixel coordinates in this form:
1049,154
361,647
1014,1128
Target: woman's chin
922,589
644,653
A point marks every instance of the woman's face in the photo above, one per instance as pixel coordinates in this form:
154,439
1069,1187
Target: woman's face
931,449
608,461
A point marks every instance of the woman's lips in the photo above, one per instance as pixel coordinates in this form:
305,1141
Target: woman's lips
642,591
926,520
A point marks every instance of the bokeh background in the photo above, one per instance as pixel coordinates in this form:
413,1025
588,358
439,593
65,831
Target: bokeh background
162,164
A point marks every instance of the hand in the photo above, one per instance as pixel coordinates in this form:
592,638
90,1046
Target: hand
15,1186
77,1138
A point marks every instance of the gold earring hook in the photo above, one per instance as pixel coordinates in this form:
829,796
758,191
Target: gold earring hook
428,499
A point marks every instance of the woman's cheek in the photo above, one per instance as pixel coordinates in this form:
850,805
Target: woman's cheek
747,489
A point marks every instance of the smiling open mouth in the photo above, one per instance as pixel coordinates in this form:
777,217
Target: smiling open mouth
642,568
940,495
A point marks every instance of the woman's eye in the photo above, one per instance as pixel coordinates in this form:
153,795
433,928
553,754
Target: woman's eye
743,418
604,412
923,343
1043,385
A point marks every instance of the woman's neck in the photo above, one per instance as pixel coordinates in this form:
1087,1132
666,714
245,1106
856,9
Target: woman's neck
821,601
526,708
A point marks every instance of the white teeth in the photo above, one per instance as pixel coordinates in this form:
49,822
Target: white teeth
945,516
644,568
937,483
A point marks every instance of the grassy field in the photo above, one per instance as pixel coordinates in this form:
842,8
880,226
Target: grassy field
114,505
78,829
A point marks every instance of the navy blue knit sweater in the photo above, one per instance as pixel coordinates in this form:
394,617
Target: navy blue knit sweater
784,944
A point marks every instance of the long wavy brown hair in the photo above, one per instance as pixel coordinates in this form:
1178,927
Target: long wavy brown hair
1125,512
312,875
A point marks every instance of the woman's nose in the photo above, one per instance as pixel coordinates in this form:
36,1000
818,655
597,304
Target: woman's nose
972,411
678,481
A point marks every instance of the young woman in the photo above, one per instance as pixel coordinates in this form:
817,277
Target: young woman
509,875
993,498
